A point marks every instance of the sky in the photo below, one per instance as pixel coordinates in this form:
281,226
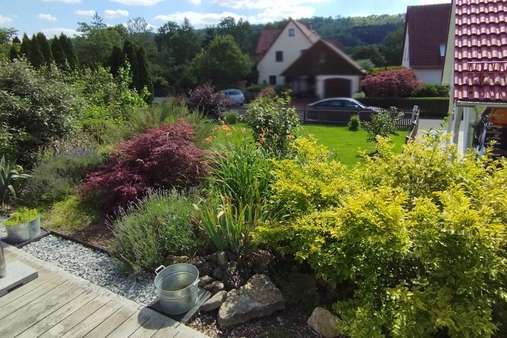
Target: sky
55,16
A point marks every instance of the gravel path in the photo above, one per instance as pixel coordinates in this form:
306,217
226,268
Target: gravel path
93,266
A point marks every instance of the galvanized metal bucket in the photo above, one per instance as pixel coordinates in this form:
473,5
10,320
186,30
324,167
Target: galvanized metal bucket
2,262
177,288
24,232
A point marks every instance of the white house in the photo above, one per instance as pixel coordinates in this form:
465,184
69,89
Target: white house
278,49
426,34
313,67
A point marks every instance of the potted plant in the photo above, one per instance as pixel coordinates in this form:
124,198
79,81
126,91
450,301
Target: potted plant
10,177
23,225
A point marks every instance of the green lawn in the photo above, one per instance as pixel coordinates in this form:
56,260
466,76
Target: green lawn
345,144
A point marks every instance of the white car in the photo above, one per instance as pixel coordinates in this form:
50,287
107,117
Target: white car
235,96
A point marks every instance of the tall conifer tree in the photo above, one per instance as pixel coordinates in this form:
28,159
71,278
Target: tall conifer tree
36,56
117,60
68,49
58,53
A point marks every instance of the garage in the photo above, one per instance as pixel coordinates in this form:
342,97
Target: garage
338,88
324,71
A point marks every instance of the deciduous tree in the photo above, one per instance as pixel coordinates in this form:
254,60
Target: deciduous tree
222,63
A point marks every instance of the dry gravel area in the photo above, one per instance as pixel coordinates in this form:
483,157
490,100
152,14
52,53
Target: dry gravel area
101,269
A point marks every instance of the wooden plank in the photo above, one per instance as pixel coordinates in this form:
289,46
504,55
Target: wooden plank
57,316
131,325
152,325
171,330
113,322
17,275
187,332
76,317
29,297
98,317
26,316
17,293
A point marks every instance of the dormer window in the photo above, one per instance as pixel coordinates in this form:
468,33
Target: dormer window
443,47
292,32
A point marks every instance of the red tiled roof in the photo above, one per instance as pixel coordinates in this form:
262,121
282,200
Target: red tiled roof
480,67
266,39
428,29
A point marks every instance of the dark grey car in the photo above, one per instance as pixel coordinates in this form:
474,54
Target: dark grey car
337,110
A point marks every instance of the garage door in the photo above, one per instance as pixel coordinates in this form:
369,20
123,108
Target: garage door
338,88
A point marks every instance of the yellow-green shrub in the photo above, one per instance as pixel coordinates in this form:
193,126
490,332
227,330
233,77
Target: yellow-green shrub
421,236
70,215
310,180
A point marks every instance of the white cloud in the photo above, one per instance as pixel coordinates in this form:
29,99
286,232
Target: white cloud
137,2
115,13
85,12
50,32
64,1
4,20
198,19
47,17
195,2
269,10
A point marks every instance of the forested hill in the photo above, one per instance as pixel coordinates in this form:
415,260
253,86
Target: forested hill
353,31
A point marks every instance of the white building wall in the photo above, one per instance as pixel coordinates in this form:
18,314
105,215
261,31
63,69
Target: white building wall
320,88
291,47
430,76
406,52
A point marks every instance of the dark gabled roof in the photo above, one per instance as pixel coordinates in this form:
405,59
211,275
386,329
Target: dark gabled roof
428,29
268,37
266,40
323,58
480,52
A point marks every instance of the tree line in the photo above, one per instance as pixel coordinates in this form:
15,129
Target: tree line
177,57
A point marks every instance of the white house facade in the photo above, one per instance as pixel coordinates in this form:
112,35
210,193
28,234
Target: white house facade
286,48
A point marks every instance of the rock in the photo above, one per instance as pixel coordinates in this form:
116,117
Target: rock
221,258
205,280
205,268
324,323
261,260
259,297
233,278
214,302
218,273
214,287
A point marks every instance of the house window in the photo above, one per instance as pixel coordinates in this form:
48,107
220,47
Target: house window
279,56
272,80
442,50
292,32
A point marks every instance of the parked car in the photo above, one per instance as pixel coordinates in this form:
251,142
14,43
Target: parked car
235,96
338,110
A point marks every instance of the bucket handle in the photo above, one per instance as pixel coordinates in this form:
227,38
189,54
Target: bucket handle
159,269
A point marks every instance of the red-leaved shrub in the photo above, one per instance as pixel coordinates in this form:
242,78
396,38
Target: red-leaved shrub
391,83
161,158
206,100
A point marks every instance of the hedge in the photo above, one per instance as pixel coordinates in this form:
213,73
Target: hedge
431,107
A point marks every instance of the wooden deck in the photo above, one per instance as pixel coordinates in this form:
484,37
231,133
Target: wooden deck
58,304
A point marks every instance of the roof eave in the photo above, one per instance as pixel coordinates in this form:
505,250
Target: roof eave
462,103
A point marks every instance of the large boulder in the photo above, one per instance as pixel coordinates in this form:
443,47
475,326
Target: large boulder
324,323
259,297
